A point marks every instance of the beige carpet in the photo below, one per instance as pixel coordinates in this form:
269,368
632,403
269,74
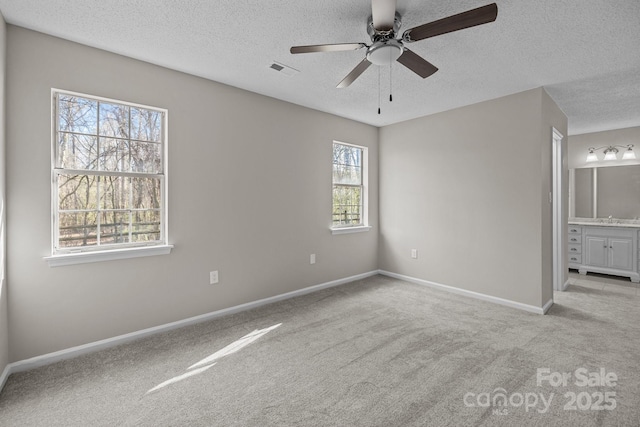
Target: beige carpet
379,352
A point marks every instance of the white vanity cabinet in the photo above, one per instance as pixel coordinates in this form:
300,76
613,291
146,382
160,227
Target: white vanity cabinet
575,246
604,249
609,252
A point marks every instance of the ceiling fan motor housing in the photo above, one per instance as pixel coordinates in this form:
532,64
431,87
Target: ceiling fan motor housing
385,48
379,35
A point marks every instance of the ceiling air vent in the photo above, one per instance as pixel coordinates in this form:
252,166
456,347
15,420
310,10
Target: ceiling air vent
284,69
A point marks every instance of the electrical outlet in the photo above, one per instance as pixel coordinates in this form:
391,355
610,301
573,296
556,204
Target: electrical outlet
213,277
414,253
312,259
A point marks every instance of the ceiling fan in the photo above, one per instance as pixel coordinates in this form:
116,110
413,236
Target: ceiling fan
382,27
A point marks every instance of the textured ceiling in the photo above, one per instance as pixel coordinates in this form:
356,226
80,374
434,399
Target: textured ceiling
585,52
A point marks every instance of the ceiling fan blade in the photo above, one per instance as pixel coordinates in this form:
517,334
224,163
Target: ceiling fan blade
470,18
383,13
417,64
327,47
354,74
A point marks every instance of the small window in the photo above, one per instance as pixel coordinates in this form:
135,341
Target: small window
109,182
349,185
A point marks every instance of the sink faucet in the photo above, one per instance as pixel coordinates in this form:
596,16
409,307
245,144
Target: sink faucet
610,219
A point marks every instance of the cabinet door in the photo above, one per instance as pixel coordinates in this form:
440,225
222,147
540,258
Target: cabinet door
620,253
596,251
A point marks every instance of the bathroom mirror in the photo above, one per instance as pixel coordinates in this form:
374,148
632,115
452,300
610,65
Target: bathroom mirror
583,192
604,191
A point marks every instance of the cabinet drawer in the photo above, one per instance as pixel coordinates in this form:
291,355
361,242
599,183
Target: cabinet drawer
575,238
575,229
575,248
575,259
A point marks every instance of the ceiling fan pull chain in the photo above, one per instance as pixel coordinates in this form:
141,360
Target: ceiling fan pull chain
378,90
390,85
390,80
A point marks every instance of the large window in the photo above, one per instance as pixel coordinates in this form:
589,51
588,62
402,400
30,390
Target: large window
109,183
349,178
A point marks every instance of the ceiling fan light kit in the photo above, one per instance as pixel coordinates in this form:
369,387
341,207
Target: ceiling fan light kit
382,27
385,52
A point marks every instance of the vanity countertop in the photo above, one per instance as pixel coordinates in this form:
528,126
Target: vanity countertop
606,222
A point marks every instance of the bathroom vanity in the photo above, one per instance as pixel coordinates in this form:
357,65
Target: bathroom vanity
608,246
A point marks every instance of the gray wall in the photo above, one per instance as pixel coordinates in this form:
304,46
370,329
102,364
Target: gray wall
468,188
249,195
4,319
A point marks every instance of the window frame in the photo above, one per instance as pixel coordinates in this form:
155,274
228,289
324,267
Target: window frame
74,255
364,193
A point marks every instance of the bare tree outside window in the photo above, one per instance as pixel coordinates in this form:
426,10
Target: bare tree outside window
347,185
108,173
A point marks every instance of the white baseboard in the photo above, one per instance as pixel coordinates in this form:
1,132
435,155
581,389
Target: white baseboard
565,286
547,306
472,294
46,359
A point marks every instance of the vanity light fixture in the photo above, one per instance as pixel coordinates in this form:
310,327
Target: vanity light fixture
611,153
591,157
629,154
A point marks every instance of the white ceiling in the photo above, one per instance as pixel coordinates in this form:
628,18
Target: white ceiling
585,52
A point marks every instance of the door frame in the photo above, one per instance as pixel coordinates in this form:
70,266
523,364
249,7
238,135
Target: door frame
559,215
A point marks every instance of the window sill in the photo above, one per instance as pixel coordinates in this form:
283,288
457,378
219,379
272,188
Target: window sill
97,256
348,230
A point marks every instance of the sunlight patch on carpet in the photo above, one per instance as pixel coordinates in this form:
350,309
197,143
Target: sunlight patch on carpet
209,361
235,346
180,378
